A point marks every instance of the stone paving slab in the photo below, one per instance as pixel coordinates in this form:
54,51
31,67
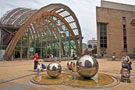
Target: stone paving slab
16,75
19,86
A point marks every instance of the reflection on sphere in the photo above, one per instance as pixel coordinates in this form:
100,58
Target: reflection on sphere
87,66
54,70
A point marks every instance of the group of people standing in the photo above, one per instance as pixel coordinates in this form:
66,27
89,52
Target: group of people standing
37,66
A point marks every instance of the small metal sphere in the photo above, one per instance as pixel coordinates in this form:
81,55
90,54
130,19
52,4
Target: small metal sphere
54,70
69,65
87,66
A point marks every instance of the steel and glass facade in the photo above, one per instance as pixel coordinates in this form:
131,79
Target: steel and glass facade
54,29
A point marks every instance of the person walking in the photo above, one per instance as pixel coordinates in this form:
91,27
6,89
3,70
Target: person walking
126,58
35,61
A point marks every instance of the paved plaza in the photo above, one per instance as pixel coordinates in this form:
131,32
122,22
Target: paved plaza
16,75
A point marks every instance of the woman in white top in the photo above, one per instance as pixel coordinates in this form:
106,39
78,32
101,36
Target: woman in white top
126,58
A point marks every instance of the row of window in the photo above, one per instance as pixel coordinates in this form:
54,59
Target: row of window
103,35
124,36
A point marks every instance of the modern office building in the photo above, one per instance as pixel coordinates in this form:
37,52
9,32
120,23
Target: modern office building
115,29
54,29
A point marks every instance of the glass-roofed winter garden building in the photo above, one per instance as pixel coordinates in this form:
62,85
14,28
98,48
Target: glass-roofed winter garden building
54,29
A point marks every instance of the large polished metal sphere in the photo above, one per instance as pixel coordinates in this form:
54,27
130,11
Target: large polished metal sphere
69,65
54,70
87,66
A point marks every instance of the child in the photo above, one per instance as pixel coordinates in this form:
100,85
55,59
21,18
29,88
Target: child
43,67
38,68
72,66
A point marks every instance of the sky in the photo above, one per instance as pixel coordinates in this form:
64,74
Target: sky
85,11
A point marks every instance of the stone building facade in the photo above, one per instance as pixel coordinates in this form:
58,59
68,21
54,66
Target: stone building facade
115,33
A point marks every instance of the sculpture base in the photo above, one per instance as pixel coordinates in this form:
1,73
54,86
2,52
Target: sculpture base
100,80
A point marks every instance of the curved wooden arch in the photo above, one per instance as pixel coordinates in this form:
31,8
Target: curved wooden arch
77,23
55,30
68,26
38,14
57,34
56,25
39,33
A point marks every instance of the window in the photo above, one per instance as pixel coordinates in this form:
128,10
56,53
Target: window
103,35
89,46
95,46
124,36
124,18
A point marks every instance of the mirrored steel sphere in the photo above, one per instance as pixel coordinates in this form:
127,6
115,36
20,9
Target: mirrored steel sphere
54,70
87,66
69,64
